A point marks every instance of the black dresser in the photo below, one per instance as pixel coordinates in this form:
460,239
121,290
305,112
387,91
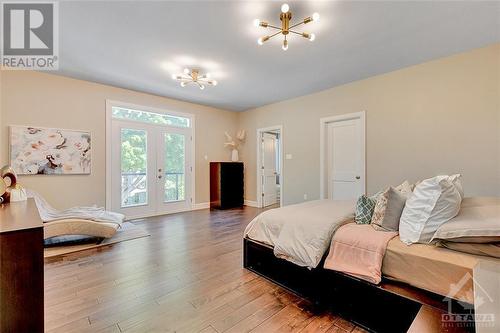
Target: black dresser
226,185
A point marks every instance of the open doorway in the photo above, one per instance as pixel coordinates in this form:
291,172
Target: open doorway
270,167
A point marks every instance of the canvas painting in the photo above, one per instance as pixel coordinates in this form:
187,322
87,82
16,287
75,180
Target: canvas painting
49,151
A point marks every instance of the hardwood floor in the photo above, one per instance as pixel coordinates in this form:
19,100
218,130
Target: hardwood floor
186,277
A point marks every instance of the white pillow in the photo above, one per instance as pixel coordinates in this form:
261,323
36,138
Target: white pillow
456,180
433,202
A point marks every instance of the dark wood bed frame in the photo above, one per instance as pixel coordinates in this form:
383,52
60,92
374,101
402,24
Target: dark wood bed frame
387,307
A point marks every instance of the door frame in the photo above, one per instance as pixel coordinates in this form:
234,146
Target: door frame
109,170
323,122
260,131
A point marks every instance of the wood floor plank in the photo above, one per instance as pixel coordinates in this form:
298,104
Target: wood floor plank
280,320
186,277
243,312
319,324
344,324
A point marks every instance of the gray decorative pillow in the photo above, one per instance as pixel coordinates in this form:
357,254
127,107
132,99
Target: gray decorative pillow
364,209
394,204
379,211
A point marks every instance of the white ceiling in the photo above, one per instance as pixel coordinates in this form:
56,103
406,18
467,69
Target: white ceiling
139,44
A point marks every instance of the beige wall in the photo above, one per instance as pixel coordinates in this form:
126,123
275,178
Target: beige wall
39,99
438,117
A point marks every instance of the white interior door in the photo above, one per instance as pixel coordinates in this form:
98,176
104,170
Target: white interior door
345,159
269,169
151,169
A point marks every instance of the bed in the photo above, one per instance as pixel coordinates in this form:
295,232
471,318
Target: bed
284,245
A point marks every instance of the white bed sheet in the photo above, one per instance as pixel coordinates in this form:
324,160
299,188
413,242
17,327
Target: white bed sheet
301,233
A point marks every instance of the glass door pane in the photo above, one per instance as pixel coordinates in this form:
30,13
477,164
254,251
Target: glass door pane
175,167
133,160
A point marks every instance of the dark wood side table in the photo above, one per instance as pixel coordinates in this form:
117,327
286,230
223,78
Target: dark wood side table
21,268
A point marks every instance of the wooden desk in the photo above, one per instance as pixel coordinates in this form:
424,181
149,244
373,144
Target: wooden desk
21,268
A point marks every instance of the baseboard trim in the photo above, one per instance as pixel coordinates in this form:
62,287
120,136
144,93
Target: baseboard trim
201,205
196,206
251,203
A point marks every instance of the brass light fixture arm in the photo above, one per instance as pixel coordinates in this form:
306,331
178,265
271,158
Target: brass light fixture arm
296,25
276,33
295,32
273,26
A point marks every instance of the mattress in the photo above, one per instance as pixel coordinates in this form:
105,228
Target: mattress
439,270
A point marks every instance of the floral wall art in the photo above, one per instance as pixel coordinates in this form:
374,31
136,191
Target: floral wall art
48,151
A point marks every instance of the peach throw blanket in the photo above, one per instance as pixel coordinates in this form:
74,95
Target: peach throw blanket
358,250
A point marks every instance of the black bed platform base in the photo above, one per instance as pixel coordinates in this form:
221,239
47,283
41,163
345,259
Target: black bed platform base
388,307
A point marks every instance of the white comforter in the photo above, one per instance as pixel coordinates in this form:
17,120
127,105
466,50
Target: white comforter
301,233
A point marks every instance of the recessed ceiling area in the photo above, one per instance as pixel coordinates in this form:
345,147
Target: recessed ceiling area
139,44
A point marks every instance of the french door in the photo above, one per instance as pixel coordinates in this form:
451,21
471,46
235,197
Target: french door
151,168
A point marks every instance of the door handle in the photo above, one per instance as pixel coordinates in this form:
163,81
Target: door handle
159,170
159,176
358,177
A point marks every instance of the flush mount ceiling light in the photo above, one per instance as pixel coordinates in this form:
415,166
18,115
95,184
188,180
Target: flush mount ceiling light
194,76
286,28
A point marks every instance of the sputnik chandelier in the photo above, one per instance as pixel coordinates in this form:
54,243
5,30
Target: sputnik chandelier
194,76
286,28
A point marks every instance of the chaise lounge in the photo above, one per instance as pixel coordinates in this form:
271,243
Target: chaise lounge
77,221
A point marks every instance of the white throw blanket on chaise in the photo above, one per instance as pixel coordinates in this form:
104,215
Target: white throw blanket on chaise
94,213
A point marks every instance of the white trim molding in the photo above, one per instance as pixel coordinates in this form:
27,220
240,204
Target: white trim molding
282,162
251,203
323,122
206,205
201,205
